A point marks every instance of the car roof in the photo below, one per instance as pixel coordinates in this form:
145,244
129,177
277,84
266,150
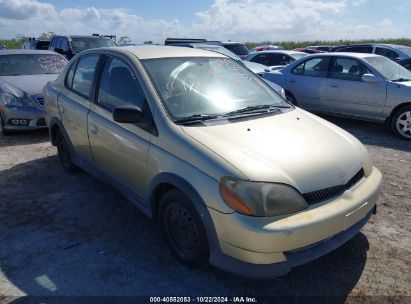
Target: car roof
232,42
346,54
156,51
26,51
278,52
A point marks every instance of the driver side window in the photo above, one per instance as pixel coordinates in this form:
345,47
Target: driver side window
119,86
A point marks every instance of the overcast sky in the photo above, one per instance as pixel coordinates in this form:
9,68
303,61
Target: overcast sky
244,20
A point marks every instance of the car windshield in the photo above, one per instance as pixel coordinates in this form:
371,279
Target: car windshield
405,49
80,44
238,49
208,86
388,68
31,64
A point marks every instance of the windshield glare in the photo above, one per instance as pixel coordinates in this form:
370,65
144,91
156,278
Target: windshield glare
388,68
82,44
208,86
30,64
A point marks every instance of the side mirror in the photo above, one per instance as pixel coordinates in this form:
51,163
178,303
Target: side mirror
369,78
267,70
127,114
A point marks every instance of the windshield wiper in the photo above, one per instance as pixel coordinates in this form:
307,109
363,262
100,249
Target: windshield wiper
401,80
255,109
195,118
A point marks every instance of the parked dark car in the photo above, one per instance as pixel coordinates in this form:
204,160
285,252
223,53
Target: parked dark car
406,63
391,51
2,47
70,45
36,44
238,48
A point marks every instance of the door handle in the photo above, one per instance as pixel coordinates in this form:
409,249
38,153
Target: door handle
293,81
94,129
333,85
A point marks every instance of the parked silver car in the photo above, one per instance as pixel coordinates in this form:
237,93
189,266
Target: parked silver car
362,86
275,59
23,74
234,174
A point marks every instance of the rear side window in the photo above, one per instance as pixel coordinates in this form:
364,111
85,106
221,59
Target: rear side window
348,69
84,75
316,67
119,86
387,53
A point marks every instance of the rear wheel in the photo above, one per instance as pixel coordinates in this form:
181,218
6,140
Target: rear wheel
401,122
290,98
64,153
183,229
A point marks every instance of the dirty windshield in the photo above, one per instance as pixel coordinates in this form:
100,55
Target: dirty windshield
31,64
208,86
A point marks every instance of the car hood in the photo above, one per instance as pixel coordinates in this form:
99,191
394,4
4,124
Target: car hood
295,148
31,84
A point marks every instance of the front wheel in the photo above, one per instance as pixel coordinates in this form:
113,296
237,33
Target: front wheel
401,122
183,229
2,129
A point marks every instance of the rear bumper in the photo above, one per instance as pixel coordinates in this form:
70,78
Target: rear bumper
271,246
34,118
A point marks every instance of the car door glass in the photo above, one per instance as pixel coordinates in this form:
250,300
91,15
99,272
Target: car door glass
284,60
84,75
119,86
348,69
63,44
70,74
299,69
274,59
316,67
261,59
387,53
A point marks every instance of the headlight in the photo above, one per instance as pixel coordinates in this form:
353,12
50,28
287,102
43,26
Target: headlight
260,199
367,163
10,99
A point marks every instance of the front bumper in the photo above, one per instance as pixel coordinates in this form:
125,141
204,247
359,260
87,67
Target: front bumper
271,246
33,116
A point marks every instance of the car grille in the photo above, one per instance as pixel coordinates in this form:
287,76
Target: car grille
328,193
39,99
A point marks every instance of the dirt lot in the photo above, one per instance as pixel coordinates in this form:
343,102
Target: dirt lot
63,234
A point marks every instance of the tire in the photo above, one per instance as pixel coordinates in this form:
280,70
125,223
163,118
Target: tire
63,152
290,98
401,122
183,229
2,130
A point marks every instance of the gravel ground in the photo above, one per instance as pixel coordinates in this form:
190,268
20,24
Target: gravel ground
63,234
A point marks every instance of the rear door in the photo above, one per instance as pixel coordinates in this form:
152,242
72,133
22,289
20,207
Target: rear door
308,82
120,150
348,95
74,103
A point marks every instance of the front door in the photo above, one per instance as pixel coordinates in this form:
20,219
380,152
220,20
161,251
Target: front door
348,95
119,149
